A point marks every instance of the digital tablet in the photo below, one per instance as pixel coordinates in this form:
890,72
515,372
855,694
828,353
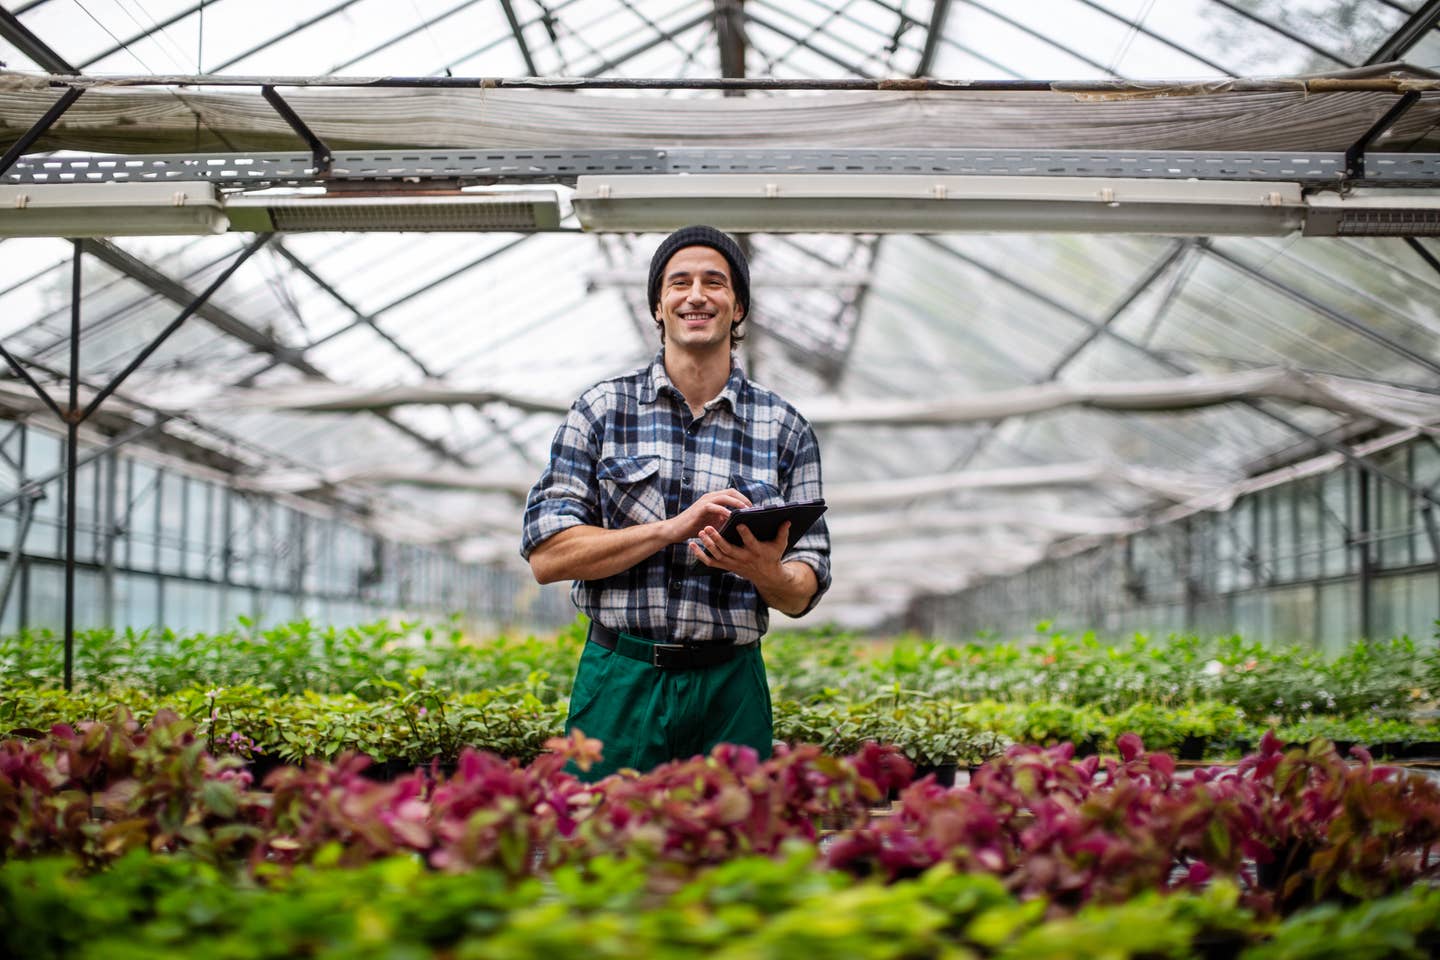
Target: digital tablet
764,522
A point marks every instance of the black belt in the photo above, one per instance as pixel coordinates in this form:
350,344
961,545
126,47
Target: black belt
676,656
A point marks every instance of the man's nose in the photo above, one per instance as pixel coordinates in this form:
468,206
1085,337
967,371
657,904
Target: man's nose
696,291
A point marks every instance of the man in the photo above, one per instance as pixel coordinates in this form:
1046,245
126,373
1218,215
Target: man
642,475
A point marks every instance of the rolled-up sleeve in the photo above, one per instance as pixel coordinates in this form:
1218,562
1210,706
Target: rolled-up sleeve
566,495
803,483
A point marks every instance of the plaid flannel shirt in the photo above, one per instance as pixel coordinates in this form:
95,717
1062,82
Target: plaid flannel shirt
629,452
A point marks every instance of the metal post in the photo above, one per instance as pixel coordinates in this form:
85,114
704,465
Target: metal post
321,154
1427,514
57,109
72,449
1367,571
1355,153
109,470
22,531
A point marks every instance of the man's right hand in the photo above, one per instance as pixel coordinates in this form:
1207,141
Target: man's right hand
711,510
593,553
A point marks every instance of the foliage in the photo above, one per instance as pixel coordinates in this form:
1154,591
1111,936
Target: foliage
157,788
147,906
154,788
1289,827
1273,684
369,661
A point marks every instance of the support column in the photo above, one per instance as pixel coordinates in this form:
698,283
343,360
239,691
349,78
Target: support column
72,466
1361,541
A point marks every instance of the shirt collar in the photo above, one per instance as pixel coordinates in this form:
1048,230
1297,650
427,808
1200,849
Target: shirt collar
734,392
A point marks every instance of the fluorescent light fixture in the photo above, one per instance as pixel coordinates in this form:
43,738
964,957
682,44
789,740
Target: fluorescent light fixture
1373,213
877,203
110,210
458,212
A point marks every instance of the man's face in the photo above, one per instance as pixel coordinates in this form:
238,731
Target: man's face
697,301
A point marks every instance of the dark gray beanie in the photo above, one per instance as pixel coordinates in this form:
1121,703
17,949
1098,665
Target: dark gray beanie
702,236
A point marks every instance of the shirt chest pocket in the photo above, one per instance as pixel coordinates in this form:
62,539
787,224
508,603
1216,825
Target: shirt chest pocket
630,490
759,491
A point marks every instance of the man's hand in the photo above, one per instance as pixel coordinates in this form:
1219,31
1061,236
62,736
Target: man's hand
711,510
787,587
593,553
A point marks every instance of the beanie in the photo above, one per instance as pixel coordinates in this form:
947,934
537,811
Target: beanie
702,236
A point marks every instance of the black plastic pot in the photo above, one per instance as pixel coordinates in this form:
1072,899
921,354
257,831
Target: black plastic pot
1192,747
262,765
944,773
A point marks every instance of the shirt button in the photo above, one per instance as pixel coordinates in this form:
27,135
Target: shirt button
675,587
685,480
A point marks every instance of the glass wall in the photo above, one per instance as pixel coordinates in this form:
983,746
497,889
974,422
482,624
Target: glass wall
1321,561
161,546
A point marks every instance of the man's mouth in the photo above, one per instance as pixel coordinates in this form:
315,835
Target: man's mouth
696,317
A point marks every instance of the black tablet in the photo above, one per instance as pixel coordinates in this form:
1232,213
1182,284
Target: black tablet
764,522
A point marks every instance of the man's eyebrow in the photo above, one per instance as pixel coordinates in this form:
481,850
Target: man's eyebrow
709,273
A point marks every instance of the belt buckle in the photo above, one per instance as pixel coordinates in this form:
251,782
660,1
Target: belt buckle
656,649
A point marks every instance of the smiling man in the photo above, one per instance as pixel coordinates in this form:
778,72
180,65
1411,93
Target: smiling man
642,475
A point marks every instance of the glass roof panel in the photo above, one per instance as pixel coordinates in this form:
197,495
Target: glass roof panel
1426,53
1222,314
836,316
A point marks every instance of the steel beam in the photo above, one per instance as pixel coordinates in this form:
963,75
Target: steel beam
1355,154
181,295
22,531
1362,543
1424,254
27,139
1321,169
320,154
72,468
1103,85
200,300
730,38
519,35
32,46
1410,33
227,323
30,381
939,13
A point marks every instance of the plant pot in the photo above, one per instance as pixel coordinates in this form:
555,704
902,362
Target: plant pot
1087,747
383,771
1225,945
1422,750
262,766
1192,747
944,773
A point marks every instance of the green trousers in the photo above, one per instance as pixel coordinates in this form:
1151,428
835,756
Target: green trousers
647,715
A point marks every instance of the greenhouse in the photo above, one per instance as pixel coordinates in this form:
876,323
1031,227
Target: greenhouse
372,581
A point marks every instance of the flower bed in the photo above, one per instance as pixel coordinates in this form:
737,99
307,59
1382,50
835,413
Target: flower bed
409,696
165,849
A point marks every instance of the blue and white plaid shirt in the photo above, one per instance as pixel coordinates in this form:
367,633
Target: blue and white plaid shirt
630,452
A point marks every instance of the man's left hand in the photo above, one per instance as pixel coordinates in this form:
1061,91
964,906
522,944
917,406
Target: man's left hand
787,587
757,560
